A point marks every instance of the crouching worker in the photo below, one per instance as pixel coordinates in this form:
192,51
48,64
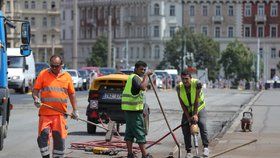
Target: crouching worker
133,105
53,87
192,102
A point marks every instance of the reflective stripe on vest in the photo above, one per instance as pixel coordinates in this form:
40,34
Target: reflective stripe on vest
184,98
55,89
59,100
132,102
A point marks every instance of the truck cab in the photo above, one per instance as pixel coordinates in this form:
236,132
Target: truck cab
5,102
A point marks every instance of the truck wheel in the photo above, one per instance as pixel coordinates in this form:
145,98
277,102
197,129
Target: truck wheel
118,127
91,129
22,89
2,132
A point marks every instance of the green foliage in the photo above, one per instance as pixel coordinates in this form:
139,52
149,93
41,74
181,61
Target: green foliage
204,49
99,53
237,61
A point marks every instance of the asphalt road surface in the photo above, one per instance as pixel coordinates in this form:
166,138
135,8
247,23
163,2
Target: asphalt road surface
222,106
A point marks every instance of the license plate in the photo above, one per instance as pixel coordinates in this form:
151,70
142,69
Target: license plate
111,96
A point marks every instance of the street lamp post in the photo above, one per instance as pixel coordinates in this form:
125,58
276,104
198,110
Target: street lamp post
109,57
183,39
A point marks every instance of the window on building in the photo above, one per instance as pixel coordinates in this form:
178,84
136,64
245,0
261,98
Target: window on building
44,38
172,10
137,52
45,22
230,10
63,34
273,53
260,31
53,21
247,31
139,33
156,31
192,10
26,18
192,29
273,31
260,9
33,5
8,6
63,15
117,52
157,51
156,9
33,23
217,32
144,32
53,5
172,31
204,10
131,52
247,9
218,10
44,5
230,32
261,52
274,9
26,5
144,52
72,14
33,38
204,30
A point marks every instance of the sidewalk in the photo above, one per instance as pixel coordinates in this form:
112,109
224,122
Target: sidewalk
266,129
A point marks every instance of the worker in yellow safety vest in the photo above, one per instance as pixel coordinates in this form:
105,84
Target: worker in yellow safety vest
191,99
133,105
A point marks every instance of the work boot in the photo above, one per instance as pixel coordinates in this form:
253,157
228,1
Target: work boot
205,152
147,156
46,156
130,155
189,155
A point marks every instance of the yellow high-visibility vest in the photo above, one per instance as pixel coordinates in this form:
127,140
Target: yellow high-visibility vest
132,102
184,98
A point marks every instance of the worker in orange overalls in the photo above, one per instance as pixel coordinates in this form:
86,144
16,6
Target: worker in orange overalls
53,87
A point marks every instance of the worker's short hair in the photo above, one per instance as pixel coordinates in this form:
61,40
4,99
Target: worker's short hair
140,63
56,56
186,73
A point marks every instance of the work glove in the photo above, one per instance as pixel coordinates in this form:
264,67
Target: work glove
75,114
37,102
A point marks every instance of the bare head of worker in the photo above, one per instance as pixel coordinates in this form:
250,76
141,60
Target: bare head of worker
56,64
140,68
186,78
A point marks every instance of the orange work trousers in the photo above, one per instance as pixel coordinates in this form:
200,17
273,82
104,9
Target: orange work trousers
52,126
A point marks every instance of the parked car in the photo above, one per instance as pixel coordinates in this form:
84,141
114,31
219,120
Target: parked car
107,71
77,79
105,101
21,70
85,77
39,66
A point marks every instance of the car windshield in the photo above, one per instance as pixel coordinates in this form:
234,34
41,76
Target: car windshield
72,73
107,71
83,73
15,61
40,66
162,74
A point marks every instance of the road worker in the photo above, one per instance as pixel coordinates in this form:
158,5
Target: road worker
133,105
53,87
192,102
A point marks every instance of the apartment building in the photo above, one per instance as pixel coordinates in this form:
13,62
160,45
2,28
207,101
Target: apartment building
44,17
139,28
245,20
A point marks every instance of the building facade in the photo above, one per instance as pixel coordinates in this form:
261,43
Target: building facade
139,28
44,18
244,20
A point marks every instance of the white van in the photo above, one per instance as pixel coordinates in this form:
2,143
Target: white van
21,70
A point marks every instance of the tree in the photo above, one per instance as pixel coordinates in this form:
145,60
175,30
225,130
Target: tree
237,61
204,49
99,53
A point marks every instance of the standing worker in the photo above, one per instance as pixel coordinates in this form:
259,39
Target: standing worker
54,87
192,102
133,105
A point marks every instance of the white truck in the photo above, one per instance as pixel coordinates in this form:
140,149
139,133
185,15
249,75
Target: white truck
21,70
